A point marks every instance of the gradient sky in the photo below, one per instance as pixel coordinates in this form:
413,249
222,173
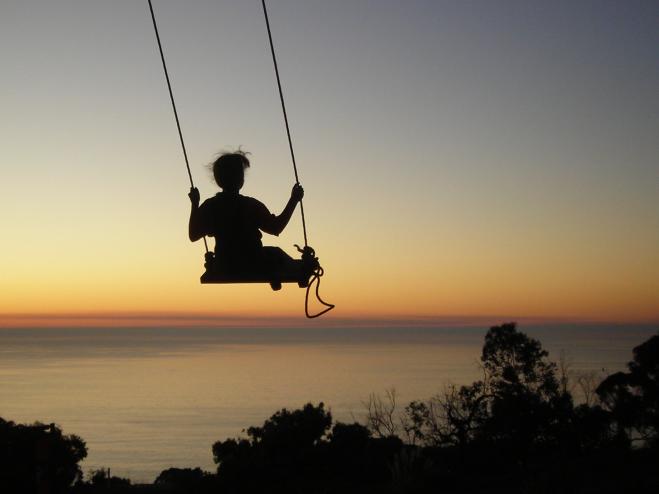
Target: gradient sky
459,158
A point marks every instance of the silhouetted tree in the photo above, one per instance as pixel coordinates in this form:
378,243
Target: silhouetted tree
450,418
300,451
355,458
281,455
381,414
517,404
513,422
632,398
101,481
515,430
38,458
587,383
186,480
525,403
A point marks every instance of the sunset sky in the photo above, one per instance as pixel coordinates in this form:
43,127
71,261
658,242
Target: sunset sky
462,159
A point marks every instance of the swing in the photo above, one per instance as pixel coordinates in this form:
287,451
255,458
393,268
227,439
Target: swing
292,271
305,271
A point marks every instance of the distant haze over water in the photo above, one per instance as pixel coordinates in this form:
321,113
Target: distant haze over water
147,399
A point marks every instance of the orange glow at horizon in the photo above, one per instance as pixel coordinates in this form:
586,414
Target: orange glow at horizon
449,175
511,281
450,280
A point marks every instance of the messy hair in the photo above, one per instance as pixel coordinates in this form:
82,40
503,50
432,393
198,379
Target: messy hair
229,167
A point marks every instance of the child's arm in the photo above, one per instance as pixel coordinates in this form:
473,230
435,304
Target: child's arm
277,223
195,230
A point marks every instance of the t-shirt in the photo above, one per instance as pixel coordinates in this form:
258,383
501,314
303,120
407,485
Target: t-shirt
235,221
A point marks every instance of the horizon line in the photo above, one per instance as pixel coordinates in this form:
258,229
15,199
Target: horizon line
145,319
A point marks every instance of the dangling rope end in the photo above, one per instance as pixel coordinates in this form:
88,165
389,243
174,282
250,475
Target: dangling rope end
317,274
309,258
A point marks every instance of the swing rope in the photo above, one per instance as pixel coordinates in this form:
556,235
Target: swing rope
283,108
307,251
318,272
171,97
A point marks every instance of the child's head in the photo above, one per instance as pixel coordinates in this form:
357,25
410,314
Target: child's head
229,170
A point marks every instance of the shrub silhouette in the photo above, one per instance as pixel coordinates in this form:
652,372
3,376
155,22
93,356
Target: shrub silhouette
518,430
632,398
38,458
300,451
281,454
184,480
101,481
515,430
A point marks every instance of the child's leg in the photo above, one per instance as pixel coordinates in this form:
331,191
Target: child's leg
276,259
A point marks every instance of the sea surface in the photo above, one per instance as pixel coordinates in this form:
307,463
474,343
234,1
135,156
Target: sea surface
149,399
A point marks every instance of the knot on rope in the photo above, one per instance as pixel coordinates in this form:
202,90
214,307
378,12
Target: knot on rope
309,259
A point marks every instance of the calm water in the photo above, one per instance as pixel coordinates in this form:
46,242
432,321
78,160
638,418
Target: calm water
148,399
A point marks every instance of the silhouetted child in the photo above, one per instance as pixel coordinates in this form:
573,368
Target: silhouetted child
236,221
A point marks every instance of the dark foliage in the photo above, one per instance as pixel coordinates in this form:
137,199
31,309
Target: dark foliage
299,451
184,480
632,398
38,458
516,430
102,481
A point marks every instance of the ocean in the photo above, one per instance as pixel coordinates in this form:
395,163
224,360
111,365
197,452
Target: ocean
148,399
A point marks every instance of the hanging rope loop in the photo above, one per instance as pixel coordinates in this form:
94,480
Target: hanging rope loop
318,273
309,258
